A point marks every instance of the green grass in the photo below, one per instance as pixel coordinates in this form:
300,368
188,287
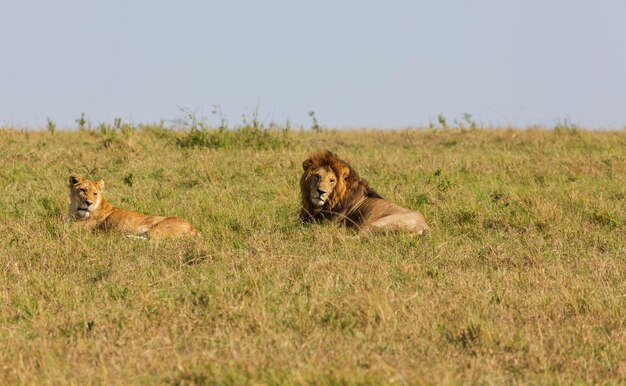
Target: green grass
522,279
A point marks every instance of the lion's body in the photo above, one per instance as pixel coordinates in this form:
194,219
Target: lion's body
332,190
90,209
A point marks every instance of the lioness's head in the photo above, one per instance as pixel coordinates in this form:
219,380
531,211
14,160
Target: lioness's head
85,195
323,180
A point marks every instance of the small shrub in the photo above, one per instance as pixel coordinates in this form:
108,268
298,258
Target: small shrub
315,125
52,126
129,179
566,126
251,135
465,121
442,121
82,122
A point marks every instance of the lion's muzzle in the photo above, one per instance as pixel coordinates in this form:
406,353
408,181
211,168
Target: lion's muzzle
85,210
321,198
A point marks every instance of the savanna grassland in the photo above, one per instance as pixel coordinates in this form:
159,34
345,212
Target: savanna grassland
522,279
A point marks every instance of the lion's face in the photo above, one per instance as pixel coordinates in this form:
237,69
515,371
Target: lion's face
321,184
85,195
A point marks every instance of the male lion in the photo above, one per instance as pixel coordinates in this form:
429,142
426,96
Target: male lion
332,190
88,208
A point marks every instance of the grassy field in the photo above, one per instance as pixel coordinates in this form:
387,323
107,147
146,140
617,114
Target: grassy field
522,279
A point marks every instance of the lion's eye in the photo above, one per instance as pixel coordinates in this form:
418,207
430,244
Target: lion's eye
83,190
95,193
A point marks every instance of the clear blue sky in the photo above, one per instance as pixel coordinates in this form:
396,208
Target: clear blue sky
354,62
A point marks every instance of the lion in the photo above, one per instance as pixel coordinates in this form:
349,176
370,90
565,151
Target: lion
332,190
90,209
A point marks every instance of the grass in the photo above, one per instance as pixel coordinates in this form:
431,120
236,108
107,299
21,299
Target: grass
522,279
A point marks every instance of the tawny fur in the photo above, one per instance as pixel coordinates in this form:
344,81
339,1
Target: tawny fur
88,208
332,190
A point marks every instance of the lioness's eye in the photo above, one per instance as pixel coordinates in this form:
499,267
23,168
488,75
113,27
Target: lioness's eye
332,181
95,193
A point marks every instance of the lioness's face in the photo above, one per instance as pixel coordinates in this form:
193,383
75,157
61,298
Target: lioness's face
323,181
86,194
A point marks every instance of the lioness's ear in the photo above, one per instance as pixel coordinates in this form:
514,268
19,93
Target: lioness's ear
306,165
100,184
75,179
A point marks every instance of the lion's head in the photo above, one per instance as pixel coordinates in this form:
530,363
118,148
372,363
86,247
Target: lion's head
324,181
85,195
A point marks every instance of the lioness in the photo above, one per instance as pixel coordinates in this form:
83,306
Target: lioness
88,208
332,190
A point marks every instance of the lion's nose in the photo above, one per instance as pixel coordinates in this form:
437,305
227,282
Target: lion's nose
88,202
321,192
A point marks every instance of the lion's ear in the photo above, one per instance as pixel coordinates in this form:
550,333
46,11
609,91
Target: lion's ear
344,171
100,184
75,179
306,165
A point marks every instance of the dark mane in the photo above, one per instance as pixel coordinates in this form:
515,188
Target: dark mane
348,194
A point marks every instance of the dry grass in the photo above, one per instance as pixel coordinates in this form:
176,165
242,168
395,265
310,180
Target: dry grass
522,280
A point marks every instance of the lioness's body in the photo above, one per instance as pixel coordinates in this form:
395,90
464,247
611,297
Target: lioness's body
332,190
90,209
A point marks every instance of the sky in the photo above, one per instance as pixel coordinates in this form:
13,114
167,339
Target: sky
355,63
